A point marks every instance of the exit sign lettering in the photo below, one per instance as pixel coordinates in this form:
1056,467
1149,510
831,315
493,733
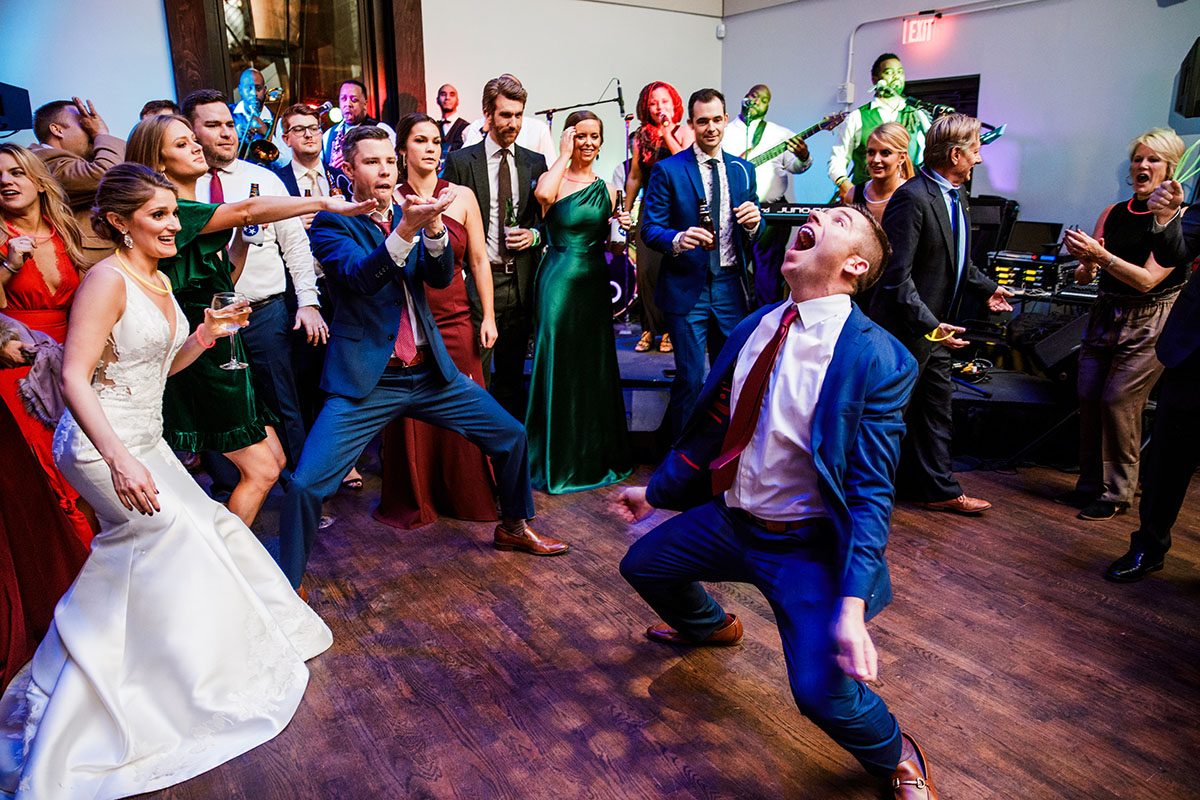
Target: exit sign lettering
918,30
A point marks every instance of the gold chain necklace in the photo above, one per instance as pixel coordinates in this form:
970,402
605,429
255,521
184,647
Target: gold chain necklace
159,290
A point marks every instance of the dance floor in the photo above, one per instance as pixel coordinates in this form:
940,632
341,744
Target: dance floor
461,672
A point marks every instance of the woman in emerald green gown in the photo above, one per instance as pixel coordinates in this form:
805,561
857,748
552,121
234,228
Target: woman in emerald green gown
207,408
575,422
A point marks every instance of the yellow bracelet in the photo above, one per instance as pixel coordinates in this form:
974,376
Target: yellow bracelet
931,337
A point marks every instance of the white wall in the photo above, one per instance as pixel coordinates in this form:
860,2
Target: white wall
565,52
114,52
1074,79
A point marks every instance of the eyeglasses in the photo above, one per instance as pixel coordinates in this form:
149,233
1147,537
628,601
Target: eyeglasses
305,130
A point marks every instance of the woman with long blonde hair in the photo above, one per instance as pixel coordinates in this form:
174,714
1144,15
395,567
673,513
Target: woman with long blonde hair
39,251
888,164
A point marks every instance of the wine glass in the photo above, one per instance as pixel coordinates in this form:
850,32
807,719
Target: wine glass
233,310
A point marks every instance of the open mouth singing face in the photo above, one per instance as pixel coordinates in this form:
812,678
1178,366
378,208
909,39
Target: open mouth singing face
1147,170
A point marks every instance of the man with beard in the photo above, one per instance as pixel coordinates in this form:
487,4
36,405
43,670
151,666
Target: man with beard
848,161
502,173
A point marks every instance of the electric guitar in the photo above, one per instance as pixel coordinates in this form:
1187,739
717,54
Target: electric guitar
827,124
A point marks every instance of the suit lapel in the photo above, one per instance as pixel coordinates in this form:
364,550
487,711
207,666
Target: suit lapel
943,217
849,346
523,178
482,190
692,165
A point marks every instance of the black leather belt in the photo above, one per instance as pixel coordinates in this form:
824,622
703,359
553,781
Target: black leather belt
774,526
507,269
257,304
423,354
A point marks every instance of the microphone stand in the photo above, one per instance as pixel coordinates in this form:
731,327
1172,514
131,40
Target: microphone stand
550,112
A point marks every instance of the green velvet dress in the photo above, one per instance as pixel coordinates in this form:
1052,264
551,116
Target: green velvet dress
578,438
206,407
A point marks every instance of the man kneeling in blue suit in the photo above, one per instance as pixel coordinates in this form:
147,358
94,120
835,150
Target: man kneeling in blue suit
386,358
784,473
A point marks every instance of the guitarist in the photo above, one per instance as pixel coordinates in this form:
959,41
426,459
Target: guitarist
746,137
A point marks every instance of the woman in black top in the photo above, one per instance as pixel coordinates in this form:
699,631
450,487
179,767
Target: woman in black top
1117,364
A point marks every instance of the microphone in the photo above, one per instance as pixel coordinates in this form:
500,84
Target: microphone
745,103
620,98
321,109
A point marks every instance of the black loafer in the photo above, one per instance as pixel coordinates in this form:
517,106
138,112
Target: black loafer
1102,510
1133,566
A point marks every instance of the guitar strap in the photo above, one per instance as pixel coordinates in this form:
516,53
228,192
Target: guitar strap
756,138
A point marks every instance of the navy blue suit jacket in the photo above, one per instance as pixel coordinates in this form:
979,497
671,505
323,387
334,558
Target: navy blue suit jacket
335,177
369,299
672,205
856,432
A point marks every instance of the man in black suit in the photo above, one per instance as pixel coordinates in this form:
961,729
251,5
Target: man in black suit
1175,444
499,171
928,223
451,124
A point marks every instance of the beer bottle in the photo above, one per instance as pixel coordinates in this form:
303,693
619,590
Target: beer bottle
616,234
706,222
308,192
510,214
254,233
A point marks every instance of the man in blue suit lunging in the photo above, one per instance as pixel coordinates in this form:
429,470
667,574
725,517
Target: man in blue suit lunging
785,477
702,284
386,358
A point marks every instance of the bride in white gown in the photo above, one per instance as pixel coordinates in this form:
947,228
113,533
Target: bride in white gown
180,645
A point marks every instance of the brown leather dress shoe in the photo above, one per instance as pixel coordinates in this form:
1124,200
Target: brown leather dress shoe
726,636
911,781
529,541
959,505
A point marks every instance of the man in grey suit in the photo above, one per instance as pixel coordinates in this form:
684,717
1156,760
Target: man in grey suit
498,171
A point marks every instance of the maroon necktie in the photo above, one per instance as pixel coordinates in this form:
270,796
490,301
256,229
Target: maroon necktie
216,194
405,347
749,404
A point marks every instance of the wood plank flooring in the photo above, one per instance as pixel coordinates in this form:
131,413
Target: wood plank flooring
461,672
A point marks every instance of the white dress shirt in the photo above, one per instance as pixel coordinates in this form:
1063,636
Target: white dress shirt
495,212
721,209
398,248
263,276
534,135
889,111
771,177
314,180
776,477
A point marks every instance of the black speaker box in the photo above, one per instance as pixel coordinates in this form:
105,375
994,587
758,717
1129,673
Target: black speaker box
15,112
1187,102
1056,353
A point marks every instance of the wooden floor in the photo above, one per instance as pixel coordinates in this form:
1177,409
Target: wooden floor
461,672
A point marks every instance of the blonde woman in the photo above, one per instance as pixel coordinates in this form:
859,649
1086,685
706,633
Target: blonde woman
1117,364
888,164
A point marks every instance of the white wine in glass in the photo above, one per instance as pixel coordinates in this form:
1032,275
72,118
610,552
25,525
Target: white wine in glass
232,309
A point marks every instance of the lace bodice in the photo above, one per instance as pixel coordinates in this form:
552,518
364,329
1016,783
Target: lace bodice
132,373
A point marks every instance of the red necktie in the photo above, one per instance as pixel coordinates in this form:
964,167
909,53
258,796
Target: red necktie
216,194
405,347
749,404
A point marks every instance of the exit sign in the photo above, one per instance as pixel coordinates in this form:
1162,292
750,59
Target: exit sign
917,30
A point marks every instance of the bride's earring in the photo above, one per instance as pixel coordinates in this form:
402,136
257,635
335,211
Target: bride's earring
127,240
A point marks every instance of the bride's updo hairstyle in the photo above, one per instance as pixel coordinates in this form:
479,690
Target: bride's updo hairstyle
123,190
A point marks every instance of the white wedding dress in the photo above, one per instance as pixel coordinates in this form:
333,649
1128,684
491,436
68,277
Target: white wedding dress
181,644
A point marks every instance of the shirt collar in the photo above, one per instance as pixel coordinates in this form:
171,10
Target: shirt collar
945,185
891,103
299,170
819,309
703,157
490,148
229,169
382,216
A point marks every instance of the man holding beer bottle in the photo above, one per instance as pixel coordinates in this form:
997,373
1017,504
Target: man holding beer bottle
502,175
701,212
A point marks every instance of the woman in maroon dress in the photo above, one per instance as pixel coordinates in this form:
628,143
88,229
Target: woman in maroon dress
427,470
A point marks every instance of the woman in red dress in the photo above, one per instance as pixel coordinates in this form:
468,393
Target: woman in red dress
427,470
39,247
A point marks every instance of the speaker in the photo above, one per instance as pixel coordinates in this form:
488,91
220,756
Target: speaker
15,112
1056,353
1187,102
